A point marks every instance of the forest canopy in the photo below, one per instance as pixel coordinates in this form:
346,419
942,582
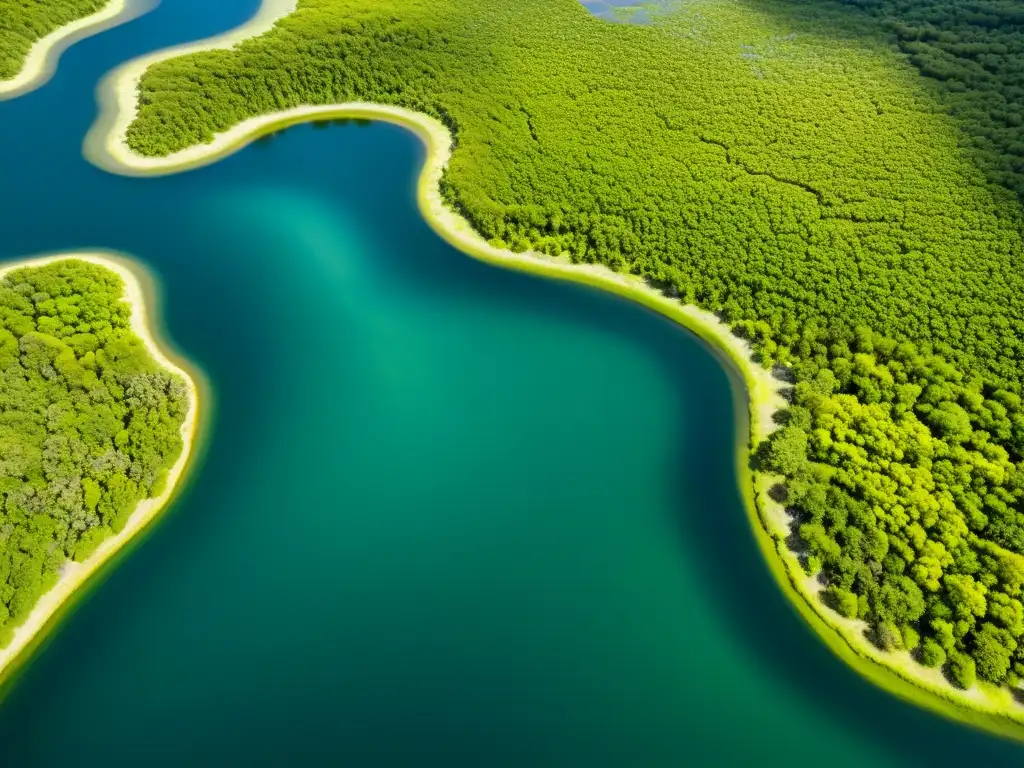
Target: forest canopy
975,52
89,424
837,180
23,23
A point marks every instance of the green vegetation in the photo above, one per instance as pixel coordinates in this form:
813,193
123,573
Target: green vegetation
89,424
975,51
784,164
23,22
908,478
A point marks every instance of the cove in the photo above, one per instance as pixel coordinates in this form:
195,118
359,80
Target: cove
447,514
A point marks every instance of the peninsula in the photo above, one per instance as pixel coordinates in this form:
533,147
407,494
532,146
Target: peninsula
33,35
816,194
97,427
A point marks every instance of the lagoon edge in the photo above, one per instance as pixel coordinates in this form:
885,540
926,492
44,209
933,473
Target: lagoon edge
757,395
47,614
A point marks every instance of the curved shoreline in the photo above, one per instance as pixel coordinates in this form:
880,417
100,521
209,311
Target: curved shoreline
757,394
74,574
118,89
41,61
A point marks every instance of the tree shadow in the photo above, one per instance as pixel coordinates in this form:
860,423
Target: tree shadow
971,60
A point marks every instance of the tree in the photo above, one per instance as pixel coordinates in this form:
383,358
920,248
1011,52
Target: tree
842,601
932,654
787,451
960,669
887,637
993,650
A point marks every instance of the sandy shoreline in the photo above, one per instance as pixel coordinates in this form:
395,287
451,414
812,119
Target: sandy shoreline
757,391
75,574
41,61
104,144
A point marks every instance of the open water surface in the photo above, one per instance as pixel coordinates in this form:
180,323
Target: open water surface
448,515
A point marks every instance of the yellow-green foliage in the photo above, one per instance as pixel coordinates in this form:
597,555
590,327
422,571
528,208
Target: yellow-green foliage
23,22
908,480
89,423
975,51
817,183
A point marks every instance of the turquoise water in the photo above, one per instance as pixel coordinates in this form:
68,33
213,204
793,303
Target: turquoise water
448,515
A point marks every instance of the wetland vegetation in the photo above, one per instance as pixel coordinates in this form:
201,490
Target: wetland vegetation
855,220
90,424
22,24
839,181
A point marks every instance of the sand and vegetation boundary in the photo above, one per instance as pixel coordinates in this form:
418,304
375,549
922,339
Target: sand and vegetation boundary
981,705
46,612
41,61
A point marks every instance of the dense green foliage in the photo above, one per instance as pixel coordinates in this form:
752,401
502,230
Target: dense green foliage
23,22
782,163
89,423
976,51
909,481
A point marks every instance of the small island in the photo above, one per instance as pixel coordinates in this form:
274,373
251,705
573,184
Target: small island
96,427
826,192
33,35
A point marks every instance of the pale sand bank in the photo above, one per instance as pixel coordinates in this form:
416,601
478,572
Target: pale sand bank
42,58
74,574
118,91
106,146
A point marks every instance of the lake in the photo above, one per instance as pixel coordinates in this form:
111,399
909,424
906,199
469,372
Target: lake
446,514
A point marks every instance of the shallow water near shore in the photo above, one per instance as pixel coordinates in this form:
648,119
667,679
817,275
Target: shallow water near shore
447,514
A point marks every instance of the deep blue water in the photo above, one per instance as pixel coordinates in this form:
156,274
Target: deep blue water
447,514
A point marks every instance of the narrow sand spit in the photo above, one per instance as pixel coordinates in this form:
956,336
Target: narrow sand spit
42,58
74,574
119,90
